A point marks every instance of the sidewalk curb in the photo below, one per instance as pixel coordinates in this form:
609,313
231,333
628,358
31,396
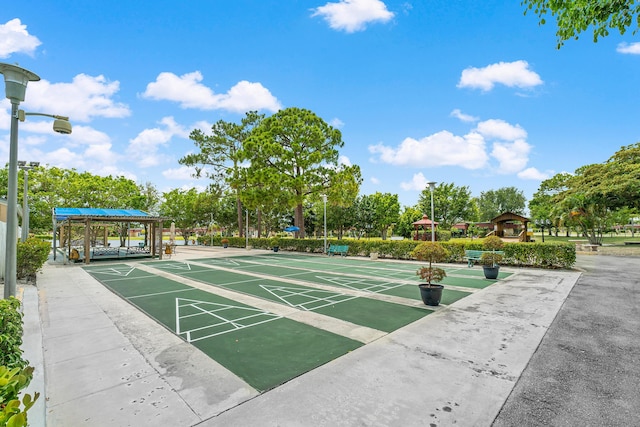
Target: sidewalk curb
32,348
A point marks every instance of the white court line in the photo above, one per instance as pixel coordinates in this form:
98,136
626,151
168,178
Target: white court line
160,293
235,323
231,330
285,292
126,278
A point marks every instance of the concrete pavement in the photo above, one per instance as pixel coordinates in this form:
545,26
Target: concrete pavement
108,364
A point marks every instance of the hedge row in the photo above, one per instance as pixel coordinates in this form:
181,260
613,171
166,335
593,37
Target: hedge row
15,375
542,255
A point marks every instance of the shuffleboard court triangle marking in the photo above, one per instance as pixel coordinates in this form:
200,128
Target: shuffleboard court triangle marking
175,266
123,271
222,261
352,283
347,282
214,317
308,296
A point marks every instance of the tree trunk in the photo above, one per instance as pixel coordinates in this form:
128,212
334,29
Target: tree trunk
240,222
299,221
259,223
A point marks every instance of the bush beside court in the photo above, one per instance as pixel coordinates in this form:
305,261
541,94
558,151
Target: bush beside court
15,374
540,255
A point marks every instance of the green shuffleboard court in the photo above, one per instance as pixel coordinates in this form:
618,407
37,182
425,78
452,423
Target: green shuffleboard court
456,275
372,313
260,347
354,280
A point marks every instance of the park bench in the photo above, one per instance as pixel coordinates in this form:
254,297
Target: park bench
472,256
338,249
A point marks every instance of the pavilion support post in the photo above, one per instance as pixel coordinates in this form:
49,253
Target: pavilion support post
105,240
87,241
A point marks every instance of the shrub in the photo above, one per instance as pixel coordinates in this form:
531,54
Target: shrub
31,256
11,334
430,252
12,382
443,235
15,375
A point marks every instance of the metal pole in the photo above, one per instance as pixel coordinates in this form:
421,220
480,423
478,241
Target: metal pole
324,198
10,263
25,206
433,230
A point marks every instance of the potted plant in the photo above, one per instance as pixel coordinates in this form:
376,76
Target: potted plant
490,260
225,242
275,244
430,292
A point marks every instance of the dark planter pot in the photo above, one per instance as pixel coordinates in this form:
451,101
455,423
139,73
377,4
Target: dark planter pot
431,295
276,248
225,245
491,272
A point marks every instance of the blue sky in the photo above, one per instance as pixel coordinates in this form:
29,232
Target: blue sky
473,93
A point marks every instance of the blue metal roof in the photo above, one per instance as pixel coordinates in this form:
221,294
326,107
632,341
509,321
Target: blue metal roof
61,214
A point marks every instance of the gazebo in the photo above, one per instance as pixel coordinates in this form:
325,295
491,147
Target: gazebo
425,224
88,217
506,222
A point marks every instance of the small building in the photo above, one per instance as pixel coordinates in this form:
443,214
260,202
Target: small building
510,225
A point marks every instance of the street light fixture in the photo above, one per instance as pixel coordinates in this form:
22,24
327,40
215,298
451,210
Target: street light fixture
432,186
26,167
15,81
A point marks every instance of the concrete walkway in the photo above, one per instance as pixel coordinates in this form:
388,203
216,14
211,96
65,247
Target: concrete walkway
108,364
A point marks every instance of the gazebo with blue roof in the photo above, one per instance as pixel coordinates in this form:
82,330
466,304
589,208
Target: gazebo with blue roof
89,216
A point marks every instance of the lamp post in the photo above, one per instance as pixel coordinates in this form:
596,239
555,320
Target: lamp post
324,199
26,167
15,81
432,186
542,223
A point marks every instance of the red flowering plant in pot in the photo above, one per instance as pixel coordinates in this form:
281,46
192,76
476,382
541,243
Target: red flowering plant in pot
431,252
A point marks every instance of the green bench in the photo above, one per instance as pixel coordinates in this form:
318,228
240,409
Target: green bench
338,249
474,255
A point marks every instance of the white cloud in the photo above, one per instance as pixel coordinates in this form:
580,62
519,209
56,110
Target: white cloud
440,149
65,158
353,15
200,188
463,117
144,147
14,38
182,173
190,93
417,183
344,160
535,175
336,123
83,99
511,74
87,135
499,129
512,156
629,48
374,180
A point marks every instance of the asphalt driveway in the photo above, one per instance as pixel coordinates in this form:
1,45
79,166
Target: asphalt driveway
586,371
